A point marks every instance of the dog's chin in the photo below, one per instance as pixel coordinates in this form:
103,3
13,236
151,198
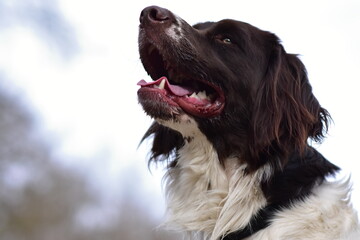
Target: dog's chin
170,115
158,107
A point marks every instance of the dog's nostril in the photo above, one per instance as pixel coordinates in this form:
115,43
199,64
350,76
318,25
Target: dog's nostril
158,14
154,14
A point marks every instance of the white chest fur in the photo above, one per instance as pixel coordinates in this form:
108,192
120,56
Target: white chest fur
205,196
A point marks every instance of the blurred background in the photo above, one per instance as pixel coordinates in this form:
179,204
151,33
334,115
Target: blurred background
70,124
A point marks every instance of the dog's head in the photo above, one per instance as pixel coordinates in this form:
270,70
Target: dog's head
233,82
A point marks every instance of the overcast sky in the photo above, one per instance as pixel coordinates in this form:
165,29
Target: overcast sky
76,63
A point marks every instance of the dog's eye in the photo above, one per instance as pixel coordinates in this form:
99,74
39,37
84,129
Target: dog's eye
226,40
223,39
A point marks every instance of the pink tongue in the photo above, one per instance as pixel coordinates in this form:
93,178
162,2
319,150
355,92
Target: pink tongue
174,89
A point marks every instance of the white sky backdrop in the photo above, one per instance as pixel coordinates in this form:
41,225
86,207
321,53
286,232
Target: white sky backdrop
86,99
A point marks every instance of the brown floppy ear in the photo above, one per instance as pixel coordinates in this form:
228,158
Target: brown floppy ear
285,111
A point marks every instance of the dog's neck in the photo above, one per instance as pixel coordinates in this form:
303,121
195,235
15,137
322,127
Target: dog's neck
202,194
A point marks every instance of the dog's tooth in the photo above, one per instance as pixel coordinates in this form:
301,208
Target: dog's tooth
194,95
202,95
161,85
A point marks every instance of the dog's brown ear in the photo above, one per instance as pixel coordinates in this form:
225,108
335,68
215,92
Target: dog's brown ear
165,143
285,111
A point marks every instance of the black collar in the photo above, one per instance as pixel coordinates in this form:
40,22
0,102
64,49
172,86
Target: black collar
288,185
258,222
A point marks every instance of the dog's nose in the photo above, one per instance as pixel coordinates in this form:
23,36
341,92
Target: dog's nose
155,15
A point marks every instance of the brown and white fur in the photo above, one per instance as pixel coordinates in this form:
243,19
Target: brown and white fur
233,115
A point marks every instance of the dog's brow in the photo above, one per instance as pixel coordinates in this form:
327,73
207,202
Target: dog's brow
203,25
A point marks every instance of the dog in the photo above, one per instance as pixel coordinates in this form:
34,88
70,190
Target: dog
234,115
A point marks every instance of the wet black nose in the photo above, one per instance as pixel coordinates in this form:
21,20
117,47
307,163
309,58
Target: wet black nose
155,15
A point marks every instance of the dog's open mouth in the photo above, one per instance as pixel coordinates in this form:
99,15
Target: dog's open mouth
194,96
